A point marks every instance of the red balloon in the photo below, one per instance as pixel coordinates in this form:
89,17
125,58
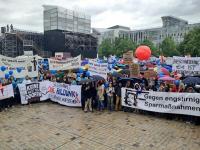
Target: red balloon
143,52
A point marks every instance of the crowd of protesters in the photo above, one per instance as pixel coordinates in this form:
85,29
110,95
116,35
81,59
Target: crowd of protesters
101,95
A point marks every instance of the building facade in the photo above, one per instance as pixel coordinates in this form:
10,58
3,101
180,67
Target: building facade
173,27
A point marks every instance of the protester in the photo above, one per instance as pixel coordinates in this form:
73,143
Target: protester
110,91
94,94
88,102
118,97
100,93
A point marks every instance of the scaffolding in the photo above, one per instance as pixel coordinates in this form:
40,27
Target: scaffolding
14,42
79,43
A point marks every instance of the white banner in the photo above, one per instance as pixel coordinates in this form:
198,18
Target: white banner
35,91
28,66
65,94
164,102
70,63
186,65
6,92
100,69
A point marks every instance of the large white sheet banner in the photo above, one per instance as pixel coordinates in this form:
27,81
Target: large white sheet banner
33,92
186,65
28,66
71,63
100,69
65,94
164,102
6,92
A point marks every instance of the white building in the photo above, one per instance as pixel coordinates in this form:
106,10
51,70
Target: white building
173,27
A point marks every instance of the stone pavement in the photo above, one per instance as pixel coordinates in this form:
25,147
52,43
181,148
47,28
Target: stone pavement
52,126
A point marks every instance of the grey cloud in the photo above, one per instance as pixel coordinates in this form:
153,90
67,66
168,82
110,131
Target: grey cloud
143,13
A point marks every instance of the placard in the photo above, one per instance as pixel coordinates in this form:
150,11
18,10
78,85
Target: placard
186,65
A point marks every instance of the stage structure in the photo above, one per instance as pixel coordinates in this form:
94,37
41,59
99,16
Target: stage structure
68,31
14,42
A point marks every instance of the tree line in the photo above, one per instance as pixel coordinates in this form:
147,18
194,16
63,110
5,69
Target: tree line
189,46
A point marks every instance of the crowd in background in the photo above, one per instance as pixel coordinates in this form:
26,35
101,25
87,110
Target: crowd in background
100,94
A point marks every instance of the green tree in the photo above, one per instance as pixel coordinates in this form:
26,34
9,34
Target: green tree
152,46
191,43
168,47
122,45
118,47
105,48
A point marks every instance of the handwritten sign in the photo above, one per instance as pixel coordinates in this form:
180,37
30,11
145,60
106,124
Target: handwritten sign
186,65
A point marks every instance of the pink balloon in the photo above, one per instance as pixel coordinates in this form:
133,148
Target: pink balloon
143,52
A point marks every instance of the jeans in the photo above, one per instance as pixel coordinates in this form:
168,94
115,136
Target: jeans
100,105
110,103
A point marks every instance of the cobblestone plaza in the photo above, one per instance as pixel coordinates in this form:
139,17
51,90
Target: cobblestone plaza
52,126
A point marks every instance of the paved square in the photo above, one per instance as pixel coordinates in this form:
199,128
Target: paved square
52,126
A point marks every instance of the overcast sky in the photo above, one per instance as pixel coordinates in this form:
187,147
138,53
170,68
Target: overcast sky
136,14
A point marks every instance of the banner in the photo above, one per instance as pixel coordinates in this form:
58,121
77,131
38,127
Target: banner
164,102
186,65
65,94
70,63
6,91
21,67
33,92
100,69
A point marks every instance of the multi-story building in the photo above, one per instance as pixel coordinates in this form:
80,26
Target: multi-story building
68,31
173,27
111,33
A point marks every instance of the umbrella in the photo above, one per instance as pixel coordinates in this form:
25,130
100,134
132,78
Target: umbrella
166,78
165,71
132,80
97,78
85,81
116,74
124,71
191,80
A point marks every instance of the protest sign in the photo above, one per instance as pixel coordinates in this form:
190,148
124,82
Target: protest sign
186,65
70,63
65,94
35,91
164,102
100,69
128,57
134,70
6,91
28,66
